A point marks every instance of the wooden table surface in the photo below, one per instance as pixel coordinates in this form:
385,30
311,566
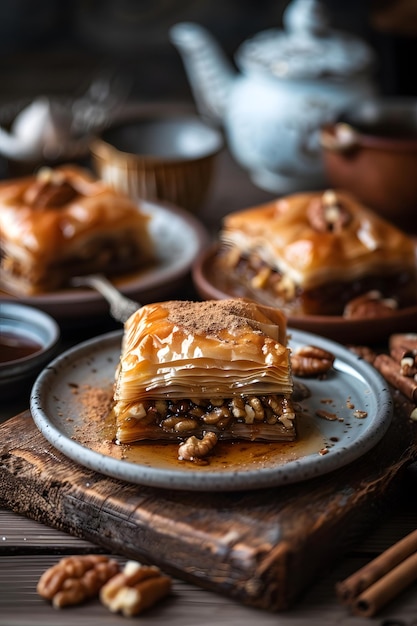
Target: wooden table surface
27,547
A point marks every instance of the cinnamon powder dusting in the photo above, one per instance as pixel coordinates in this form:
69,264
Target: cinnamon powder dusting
96,402
211,317
96,430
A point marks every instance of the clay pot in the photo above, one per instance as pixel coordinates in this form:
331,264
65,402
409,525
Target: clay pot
372,153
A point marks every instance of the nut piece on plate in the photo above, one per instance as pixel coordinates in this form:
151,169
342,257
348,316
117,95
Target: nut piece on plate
194,449
311,361
136,588
75,579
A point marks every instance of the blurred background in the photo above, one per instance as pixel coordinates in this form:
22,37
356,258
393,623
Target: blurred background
55,47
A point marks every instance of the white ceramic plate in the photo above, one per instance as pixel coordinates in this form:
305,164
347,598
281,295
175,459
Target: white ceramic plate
58,405
179,238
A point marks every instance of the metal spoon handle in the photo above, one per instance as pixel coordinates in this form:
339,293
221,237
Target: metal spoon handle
121,307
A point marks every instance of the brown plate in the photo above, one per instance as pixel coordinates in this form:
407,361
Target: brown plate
211,285
179,238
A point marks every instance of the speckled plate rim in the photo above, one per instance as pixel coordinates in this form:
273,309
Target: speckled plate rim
352,377
179,236
337,328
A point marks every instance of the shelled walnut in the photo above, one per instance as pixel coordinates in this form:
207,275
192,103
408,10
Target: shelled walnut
136,588
311,361
75,579
369,305
194,449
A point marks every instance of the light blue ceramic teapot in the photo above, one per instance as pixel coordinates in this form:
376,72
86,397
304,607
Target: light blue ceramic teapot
290,83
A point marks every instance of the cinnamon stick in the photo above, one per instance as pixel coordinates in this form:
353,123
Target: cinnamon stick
390,370
402,342
373,599
403,348
395,568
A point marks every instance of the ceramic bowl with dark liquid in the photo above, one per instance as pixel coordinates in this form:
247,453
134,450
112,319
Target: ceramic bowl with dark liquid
28,340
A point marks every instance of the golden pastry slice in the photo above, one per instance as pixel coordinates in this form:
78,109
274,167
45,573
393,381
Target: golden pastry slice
313,253
62,223
189,368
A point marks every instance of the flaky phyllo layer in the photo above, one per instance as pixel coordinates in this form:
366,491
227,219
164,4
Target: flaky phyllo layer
187,368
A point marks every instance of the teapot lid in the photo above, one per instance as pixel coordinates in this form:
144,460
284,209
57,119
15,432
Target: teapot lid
307,48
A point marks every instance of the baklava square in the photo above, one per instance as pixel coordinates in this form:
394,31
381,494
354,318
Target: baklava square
316,254
62,223
192,368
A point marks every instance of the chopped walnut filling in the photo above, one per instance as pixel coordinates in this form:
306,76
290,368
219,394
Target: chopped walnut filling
335,298
254,272
176,419
98,253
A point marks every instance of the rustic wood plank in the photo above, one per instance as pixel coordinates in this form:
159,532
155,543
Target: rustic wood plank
186,606
263,548
21,606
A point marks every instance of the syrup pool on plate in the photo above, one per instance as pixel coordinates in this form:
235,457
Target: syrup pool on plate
227,455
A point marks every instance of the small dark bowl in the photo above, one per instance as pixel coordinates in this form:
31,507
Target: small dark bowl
372,153
29,340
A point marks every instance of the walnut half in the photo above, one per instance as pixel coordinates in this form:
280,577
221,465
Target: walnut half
311,361
136,588
194,449
370,305
75,579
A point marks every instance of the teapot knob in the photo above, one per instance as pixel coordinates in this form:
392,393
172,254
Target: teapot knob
306,17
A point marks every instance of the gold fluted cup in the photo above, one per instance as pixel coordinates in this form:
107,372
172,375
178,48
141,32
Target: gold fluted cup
169,159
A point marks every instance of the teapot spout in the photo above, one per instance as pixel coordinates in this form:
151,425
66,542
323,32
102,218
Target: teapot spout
208,70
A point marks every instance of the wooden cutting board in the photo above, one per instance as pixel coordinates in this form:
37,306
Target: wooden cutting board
262,548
